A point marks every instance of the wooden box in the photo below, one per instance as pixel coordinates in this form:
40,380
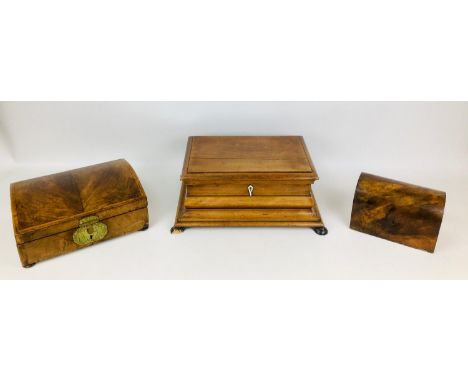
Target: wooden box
59,213
398,211
247,181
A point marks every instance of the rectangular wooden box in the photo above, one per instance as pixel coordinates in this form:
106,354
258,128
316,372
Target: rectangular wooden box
59,213
247,181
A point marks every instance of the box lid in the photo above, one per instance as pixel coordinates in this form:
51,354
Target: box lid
56,203
248,157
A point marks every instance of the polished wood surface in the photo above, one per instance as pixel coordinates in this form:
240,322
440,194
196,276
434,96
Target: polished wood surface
241,189
234,223
247,215
248,202
48,206
219,177
62,243
43,200
397,211
218,172
248,154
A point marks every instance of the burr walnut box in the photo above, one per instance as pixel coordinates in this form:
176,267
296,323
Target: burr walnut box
59,213
247,181
398,211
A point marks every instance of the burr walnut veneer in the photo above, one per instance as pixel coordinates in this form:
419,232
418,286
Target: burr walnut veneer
58,213
397,211
247,181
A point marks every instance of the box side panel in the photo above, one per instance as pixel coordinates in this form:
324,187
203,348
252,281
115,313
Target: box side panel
62,243
14,214
309,158
68,224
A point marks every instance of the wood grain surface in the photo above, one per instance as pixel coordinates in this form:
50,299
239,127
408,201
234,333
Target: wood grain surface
48,206
273,188
62,243
247,215
248,154
397,211
249,202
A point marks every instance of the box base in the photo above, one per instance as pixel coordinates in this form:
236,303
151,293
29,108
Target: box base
319,228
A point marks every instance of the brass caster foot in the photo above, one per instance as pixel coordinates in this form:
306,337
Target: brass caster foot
177,230
29,265
322,231
145,227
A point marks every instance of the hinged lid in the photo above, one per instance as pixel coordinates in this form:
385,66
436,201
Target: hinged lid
56,203
241,158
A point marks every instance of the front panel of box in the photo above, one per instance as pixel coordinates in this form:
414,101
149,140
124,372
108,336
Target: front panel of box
66,242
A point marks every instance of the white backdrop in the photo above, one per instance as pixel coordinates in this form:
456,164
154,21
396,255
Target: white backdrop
421,143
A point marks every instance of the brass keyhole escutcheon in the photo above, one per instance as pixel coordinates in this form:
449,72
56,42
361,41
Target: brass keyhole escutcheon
90,231
250,188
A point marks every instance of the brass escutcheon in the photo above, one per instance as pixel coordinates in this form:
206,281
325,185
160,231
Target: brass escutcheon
90,231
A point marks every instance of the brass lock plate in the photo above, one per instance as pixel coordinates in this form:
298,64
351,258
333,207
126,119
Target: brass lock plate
90,231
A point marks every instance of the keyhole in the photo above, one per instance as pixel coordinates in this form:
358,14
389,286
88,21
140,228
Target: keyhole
250,189
90,231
